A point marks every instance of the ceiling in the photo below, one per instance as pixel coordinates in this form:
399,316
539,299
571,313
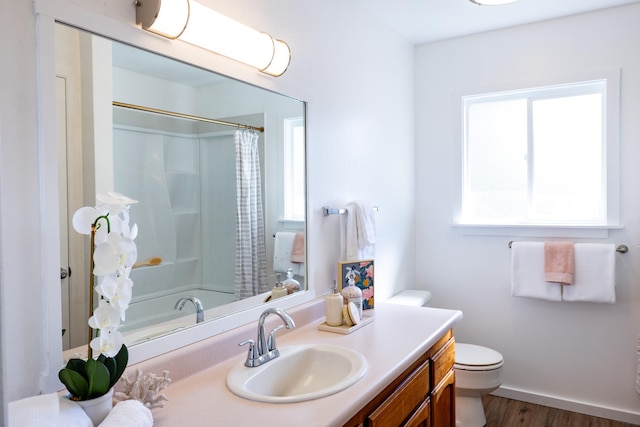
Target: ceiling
423,21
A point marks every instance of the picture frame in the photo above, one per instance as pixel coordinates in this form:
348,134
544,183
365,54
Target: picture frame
364,279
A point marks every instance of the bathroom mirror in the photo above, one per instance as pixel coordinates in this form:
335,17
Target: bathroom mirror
148,126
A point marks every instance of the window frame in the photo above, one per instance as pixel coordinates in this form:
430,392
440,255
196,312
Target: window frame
611,155
291,124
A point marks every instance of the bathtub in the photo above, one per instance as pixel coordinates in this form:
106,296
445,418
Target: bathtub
148,313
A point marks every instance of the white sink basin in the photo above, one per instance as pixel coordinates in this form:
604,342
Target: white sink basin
302,372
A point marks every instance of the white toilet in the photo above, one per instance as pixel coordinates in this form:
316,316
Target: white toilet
478,372
478,369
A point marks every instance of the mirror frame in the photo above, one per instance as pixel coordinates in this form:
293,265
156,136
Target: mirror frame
48,12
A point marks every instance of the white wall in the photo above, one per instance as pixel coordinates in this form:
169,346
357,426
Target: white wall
21,312
579,352
357,78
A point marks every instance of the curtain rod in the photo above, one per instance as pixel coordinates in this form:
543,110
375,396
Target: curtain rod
186,116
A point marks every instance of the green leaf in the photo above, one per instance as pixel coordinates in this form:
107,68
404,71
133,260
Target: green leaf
121,359
77,365
99,379
112,366
75,383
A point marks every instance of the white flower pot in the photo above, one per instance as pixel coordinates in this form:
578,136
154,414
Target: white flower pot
98,408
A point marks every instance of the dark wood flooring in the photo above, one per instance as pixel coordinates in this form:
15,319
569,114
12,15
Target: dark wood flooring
501,412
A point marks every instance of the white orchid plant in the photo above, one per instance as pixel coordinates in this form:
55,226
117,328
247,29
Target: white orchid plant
113,254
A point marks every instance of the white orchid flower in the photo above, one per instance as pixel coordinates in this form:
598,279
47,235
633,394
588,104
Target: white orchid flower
84,217
125,230
116,254
118,291
106,256
128,255
105,316
109,342
114,202
122,297
132,233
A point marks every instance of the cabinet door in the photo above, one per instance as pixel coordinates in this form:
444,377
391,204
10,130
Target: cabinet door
443,402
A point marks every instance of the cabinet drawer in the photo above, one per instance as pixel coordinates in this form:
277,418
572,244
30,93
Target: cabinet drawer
400,405
442,362
421,417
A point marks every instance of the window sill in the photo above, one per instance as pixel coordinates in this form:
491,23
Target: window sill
588,231
291,225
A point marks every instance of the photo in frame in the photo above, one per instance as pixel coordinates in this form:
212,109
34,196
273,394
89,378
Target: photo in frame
362,272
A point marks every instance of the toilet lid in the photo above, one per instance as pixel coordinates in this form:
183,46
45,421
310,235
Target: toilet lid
470,356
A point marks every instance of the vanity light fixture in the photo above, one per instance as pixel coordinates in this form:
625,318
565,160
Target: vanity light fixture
196,24
492,2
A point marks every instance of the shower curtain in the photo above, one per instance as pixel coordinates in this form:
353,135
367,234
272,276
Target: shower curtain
251,258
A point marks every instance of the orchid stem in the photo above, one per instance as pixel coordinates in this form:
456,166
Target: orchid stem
94,229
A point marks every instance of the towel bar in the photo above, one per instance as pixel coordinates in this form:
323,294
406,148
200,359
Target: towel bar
623,249
326,210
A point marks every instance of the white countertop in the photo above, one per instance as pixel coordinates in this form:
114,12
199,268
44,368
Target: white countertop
198,395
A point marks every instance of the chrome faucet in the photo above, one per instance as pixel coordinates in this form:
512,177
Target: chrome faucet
199,311
265,349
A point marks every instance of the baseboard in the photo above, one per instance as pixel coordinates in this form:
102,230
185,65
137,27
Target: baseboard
569,405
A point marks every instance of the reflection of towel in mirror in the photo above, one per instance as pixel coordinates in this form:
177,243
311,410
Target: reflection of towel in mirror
358,231
297,251
282,255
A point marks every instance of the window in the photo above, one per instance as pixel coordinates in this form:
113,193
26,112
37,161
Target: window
537,156
294,165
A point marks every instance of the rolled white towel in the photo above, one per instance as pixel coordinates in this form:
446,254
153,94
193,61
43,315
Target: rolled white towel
128,413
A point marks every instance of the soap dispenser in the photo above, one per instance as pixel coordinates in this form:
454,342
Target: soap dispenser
291,284
278,290
333,307
352,293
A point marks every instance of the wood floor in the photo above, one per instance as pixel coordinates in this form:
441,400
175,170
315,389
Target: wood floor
501,412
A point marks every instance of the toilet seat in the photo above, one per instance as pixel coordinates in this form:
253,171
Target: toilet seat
470,357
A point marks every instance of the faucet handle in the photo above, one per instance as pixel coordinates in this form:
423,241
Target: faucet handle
251,355
271,341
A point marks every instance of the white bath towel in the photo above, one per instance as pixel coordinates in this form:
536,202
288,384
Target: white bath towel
282,254
527,273
357,231
47,410
594,279
128,413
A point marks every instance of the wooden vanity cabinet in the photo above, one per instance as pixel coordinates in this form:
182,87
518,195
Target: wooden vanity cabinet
422,396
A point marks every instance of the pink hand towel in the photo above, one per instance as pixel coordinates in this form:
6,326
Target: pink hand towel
297,250
559,262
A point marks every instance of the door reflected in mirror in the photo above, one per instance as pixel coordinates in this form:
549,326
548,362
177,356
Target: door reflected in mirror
220,203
